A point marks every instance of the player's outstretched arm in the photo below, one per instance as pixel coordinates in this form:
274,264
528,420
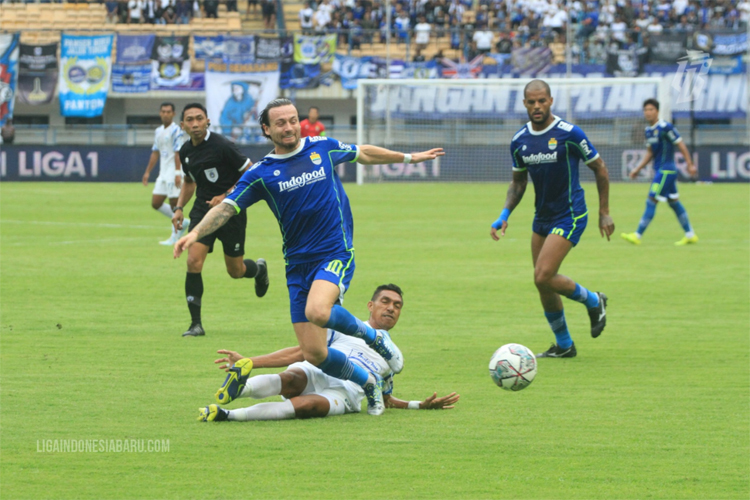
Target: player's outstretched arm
151,163
431,403
214,219
606,225
278,359
645,161
374,155
513,197
686,154
186,194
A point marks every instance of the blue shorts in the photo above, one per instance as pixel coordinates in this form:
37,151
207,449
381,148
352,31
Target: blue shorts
569,227
664,187
337,269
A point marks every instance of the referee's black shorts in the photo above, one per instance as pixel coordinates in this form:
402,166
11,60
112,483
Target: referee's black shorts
231,234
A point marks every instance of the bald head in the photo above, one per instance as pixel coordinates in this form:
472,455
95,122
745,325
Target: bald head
537,86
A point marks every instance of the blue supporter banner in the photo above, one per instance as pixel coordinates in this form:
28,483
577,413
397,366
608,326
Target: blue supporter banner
85,69
134,48
350,69
8,74
303,76
131,78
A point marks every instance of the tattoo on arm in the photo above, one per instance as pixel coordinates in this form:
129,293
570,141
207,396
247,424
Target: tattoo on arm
515,190
214,219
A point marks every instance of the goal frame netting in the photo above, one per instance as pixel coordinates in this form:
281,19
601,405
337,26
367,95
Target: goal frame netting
663,94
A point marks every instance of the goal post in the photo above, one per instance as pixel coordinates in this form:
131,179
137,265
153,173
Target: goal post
475,120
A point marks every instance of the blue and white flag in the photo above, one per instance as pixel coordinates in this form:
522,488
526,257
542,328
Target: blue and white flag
134,48
8,75
85,69
131,78
227,48
350,69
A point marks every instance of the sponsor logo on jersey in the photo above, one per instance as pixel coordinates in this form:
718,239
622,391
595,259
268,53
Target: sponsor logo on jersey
212,174
536,159
565,126
277,172
187,160
302,180
552,144
315,158
316,138
585,147
345,147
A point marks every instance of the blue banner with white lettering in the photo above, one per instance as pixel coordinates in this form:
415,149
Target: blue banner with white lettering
85,69
303,76
8,74
131,78
134,48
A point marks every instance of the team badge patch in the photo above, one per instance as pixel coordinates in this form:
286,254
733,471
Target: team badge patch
552,144
212,174
315,158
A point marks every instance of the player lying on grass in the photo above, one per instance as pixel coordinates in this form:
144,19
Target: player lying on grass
309,392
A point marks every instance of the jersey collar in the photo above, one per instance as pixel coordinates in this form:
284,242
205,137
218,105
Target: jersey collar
289,155
542,132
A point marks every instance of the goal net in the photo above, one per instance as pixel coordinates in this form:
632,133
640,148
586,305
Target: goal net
474,121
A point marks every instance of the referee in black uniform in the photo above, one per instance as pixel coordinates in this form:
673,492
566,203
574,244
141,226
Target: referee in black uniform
213,165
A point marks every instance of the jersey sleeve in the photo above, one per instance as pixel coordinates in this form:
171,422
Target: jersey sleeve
234,158
341,152
515,150
155,147
672,134
246,192
178,138
584,150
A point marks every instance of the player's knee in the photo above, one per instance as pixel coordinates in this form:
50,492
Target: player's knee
308,409
317,314
542,277
194,265
235,272
315,356
155,205
292,383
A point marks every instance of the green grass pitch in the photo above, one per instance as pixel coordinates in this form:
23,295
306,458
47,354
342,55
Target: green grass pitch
657,407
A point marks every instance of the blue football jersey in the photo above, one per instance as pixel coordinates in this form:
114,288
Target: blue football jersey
304,193
551,157
661,138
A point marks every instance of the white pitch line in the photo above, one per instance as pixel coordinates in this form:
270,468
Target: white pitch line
80,224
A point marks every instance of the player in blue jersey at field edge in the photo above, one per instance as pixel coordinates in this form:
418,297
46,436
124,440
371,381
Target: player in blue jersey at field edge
299,183
549,149
661,137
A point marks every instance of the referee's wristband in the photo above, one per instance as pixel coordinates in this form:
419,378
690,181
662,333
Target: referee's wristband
503,218
413,405
177,208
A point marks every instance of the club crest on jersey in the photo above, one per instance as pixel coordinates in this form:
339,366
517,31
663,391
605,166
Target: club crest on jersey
315,158
212,174
552,144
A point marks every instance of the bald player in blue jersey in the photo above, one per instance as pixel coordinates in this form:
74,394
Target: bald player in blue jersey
299,183
662,137
548,149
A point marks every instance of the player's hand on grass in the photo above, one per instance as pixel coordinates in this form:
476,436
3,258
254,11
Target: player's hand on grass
427,155
183,244
177,180
436,403
493,231
606,225
144,180
230,359
216,200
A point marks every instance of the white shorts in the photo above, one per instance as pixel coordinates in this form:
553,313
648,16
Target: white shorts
166,187
344,396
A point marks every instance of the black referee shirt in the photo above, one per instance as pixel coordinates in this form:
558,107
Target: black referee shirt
214,165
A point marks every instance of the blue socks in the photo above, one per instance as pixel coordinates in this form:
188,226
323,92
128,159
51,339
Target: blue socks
337,365
559,327
682,215
345,322
583,296
648,216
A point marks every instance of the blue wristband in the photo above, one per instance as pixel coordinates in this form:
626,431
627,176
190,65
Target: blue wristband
503,218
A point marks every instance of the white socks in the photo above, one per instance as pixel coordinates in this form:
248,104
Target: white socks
261,387
263,411
166,210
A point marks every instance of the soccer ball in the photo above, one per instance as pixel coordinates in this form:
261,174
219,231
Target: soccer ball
513,367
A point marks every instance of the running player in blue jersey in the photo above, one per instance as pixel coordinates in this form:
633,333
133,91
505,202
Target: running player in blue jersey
549,149
661,138
300,186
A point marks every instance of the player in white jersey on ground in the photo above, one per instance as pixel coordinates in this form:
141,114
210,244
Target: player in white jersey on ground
309,392
167,141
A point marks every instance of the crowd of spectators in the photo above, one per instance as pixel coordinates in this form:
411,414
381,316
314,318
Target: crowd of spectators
481,26
163,11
